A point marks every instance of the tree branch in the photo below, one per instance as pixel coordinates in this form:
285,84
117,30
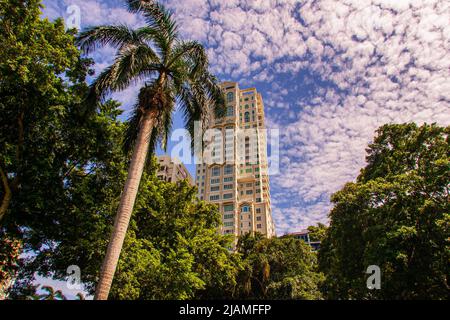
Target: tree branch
7,196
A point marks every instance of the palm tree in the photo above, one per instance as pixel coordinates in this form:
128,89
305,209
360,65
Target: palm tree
175,73
51,294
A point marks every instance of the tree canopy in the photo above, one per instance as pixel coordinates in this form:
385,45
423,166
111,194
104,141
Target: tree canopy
396,216
48,143
277,268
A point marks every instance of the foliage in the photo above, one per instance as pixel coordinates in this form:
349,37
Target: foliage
317,233
9,255
172,249
51,294
277,268
395,216
49,145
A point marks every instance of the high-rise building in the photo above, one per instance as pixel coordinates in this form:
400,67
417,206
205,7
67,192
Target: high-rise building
234,170
172,171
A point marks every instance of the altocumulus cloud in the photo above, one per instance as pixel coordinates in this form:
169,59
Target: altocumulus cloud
331,72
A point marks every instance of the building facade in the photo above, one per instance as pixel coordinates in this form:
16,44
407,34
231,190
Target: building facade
172,171
304,236
233,172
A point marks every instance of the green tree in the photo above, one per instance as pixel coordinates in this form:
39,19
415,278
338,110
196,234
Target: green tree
277,268
175,71
33,95
49,144
396,216
172,249
9,256
317,233
183,257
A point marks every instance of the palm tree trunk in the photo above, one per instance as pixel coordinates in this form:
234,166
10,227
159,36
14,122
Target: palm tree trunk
126,207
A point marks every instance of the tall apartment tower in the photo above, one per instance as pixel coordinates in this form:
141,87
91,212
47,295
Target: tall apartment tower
234,170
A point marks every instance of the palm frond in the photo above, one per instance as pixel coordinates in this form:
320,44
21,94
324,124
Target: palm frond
158,39
197,98
216,95
130,65
157,17
193,52
115,36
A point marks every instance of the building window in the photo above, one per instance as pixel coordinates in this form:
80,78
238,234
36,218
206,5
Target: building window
258,199
227,187
258,210
230,96
215,181
228,207
228,196
258,219
249,185
258,226
229,224
214,198
228,179
247,116
230,111
215,171
215,188
228,169
249,192
228,216
245,209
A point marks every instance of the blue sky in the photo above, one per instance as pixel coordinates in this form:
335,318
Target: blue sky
330,73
